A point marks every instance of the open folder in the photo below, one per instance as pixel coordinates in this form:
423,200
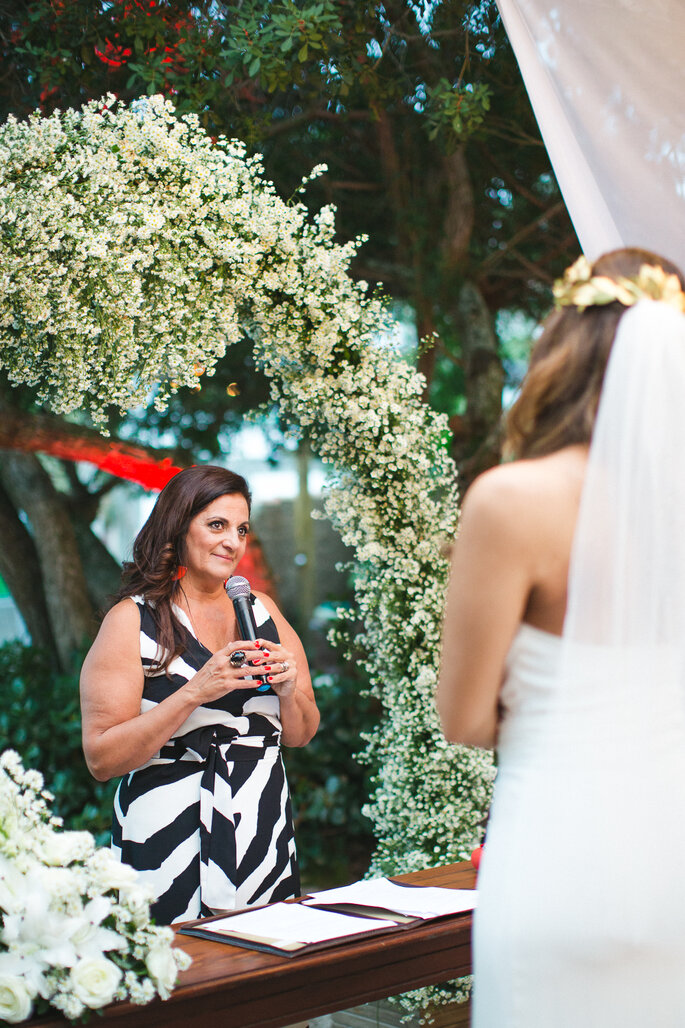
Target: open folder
333,916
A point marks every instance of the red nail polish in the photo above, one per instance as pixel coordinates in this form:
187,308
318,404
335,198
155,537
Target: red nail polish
265,653
269,678
267,667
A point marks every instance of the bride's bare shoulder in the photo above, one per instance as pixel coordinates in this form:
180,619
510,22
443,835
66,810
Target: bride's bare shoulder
523,488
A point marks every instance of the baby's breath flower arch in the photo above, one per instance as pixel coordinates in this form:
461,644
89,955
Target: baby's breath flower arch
133,250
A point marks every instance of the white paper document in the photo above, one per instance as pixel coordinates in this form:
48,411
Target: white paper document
414,901
281,923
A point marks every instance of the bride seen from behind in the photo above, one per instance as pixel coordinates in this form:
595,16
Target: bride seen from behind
564,648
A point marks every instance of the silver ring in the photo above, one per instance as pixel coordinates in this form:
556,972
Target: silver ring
237,658
286,665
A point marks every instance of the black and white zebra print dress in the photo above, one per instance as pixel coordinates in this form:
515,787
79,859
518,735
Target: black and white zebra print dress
207,821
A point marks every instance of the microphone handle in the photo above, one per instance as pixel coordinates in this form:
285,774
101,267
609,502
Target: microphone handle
247,630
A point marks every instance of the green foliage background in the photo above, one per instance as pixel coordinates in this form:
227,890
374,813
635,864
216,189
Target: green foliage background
40,718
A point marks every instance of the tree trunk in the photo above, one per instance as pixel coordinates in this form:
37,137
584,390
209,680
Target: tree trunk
69,610
450,185
477,435
21,572
102,571
460,213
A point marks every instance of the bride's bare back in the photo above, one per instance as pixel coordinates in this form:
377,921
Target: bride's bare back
510,564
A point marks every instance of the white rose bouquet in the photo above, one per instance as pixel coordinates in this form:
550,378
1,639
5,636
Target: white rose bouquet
75,928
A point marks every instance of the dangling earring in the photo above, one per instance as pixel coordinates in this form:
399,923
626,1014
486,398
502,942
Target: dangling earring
180,572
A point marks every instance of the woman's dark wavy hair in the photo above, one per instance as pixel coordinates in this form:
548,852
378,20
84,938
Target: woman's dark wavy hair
559,397
159,549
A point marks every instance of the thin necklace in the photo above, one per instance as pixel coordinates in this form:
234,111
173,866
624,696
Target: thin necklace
190,615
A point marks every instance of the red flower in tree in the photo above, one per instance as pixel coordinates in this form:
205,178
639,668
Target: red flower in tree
113,55
175,29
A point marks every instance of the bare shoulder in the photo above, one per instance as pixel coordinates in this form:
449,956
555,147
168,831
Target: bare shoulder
499,500
521,492
506,482
123,616
118,635
510,559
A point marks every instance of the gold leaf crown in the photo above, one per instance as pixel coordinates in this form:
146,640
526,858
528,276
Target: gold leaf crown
580,288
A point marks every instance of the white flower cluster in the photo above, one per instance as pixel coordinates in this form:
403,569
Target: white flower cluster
75,929
133,250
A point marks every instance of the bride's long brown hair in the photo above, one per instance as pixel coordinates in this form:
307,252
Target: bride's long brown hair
559,397
159,549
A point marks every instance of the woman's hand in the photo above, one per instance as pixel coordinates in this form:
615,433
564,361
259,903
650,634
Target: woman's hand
117,736
279,667
288,676
222,674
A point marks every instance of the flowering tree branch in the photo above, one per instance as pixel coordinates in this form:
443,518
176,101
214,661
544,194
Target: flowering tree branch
133,252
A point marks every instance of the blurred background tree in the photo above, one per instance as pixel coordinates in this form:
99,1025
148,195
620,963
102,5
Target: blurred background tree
419,111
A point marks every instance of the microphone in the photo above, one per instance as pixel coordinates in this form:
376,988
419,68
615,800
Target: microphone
238,591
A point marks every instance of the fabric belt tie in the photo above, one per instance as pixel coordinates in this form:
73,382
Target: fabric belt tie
198,745
217,747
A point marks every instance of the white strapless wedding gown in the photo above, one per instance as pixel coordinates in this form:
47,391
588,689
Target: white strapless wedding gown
581,915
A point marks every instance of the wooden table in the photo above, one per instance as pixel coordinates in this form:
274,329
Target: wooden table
238,988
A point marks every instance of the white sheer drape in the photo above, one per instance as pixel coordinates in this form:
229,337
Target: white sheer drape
606,81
